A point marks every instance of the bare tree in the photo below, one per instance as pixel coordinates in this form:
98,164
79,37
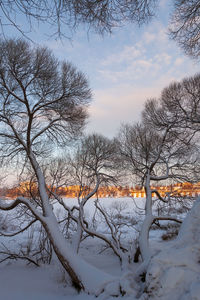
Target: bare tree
178,101
42,102
95,164
91,166
102,16
64,16
182,99
154,156
184,27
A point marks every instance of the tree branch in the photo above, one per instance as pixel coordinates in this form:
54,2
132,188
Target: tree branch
20,231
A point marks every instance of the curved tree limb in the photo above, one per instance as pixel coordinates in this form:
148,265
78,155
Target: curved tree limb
19,231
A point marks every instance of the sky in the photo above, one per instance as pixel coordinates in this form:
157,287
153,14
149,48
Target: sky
124,69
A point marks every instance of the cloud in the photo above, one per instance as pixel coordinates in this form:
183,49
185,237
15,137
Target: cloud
156,34
153,56
127,54
118,105
125,71
124,100
144,68
149,37
179,61
163,58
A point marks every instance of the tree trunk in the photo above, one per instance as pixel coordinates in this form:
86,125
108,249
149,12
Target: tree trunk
76,238
61,249
144,233
83,275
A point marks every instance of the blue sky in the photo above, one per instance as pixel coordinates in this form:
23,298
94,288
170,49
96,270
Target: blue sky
124,69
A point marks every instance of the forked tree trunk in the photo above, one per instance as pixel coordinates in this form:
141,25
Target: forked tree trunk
83,275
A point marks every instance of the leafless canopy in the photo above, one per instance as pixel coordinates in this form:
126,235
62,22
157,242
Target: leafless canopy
185,26
100,15
182,99
94,161
41,100
63,17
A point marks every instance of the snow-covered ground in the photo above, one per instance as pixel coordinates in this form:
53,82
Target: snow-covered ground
21,282
174,273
